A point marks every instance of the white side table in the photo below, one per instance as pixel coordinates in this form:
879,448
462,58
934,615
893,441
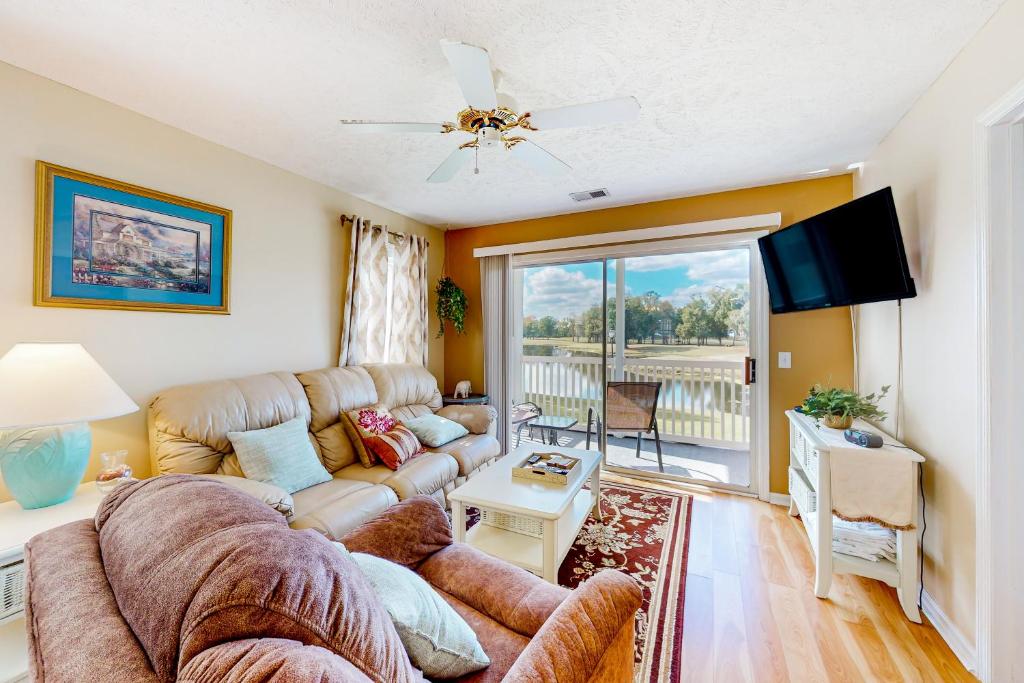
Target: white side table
810,491
17,526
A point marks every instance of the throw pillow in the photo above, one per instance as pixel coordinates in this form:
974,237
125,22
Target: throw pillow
434,430
280,455
383,437
362,422
438,641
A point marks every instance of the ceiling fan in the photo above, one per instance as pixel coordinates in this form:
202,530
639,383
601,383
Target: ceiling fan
494,124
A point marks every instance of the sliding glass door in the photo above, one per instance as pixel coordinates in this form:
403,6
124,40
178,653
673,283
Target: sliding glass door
678,316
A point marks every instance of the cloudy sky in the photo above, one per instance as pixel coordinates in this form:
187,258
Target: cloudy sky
563,291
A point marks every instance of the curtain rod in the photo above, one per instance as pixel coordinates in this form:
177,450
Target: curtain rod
352,219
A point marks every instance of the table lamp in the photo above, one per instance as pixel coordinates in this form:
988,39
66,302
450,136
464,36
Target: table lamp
48,392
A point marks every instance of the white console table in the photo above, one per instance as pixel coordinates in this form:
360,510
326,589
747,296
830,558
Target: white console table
810,495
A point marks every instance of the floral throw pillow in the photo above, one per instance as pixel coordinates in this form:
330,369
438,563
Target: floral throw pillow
377,436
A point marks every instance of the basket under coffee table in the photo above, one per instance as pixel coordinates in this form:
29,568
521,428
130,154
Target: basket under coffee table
528,523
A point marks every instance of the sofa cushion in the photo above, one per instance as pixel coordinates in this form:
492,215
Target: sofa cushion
338,506
331,392
280,455
405,384
426,474
434,430
222,566
189,425
274,496
260,660
477,419
501,644
438,641
471,451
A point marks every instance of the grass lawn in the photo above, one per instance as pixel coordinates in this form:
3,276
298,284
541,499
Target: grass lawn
667,351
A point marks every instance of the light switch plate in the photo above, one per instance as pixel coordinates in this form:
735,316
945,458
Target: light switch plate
785,359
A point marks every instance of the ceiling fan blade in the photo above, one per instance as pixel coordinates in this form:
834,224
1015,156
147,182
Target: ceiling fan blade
450,166
538,157
618,110
392,126
472,67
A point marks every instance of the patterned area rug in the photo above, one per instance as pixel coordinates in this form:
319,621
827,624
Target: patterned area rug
644,533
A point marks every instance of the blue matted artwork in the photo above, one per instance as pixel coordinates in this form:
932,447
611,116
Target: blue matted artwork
102,243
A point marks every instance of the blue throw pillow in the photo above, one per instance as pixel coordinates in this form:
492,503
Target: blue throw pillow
434,430
281,455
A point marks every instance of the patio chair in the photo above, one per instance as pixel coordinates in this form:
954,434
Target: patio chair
631,407
522,413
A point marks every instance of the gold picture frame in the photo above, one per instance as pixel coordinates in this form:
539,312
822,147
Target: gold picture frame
155,263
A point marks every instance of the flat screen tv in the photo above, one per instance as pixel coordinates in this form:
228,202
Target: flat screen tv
852,254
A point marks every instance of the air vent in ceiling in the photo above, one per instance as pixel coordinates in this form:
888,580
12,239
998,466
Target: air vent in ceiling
590,194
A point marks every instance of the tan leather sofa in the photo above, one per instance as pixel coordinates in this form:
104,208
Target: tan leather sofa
188,428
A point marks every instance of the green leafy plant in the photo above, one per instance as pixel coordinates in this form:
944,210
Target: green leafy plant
823,402
451,305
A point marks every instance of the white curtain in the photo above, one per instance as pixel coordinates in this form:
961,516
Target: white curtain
496,307
385,315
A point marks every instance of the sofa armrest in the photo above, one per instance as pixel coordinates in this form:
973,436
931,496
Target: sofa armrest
511,596
274,496
586,638
477,419
407,533
262,660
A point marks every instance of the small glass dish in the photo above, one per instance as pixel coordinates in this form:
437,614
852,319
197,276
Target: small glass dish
114,471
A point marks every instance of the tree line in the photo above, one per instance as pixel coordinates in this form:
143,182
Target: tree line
723,312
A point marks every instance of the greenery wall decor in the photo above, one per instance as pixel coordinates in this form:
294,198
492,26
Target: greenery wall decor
451,305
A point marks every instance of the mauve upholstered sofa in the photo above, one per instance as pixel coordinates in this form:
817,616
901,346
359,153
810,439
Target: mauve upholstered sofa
185,578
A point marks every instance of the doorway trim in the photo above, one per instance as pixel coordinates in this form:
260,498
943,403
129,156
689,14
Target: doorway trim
999,146
721,225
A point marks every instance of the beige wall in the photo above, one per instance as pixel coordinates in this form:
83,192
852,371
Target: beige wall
929,161
820,341
289,252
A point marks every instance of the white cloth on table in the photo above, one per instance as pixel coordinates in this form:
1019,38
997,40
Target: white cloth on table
872,484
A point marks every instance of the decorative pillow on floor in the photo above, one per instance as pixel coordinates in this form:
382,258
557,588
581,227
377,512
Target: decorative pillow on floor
438,641
281,455
381,437
434,430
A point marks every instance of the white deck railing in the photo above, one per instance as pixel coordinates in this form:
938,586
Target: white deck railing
701,401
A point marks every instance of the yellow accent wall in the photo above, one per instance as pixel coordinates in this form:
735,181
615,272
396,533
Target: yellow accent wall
820,341
290,253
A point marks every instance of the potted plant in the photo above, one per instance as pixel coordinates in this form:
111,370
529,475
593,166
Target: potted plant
451,305
838,407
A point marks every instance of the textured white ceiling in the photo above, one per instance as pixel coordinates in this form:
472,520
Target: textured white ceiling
734,92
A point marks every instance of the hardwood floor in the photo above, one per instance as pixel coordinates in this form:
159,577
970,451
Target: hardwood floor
751,614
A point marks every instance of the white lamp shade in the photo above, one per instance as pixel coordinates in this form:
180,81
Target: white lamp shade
52,384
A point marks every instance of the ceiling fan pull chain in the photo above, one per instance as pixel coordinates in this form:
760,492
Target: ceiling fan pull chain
476,160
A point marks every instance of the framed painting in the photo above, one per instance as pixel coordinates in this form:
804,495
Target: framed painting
102,243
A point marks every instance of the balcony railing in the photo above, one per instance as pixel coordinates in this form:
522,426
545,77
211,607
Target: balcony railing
701,402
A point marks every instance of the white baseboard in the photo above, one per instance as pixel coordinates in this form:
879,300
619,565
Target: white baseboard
778,499
960,646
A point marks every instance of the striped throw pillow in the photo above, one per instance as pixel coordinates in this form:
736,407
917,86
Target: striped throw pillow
384,437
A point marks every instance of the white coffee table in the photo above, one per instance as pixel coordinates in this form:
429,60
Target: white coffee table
561,510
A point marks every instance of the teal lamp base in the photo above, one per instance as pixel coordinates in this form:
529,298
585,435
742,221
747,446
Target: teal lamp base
43,466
